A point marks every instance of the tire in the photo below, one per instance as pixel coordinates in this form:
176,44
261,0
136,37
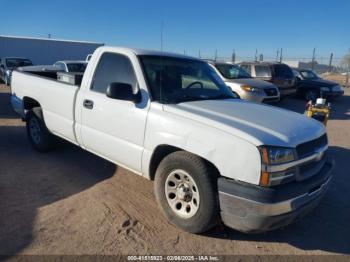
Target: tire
39,136
311,95
201,187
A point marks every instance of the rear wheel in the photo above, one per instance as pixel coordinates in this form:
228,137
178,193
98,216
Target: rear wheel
39,136
186,190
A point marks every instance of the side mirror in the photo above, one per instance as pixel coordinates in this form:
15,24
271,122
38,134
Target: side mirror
122,91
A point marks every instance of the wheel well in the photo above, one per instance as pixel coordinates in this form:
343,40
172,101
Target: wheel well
30,103
162,151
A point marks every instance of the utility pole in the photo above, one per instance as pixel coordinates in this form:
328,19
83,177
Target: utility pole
277,55
233,58
161,37
330,63
216,55
347,75
313,59
281,55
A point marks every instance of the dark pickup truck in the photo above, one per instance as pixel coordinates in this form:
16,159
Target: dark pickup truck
310,86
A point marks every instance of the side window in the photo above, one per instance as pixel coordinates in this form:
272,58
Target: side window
113,68
262,71
60,65
247,68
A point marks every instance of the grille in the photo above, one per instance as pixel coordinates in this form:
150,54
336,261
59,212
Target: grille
270,100
310,147
271,91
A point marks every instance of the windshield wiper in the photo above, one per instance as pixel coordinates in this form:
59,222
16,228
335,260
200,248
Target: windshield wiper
222,96
188,98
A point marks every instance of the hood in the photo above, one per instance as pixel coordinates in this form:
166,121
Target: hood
320,82
258,124
251,82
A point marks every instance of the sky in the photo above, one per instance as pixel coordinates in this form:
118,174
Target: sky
297,26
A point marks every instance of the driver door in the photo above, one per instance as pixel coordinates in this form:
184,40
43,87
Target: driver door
111,128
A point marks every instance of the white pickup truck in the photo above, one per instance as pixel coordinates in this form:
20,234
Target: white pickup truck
171,119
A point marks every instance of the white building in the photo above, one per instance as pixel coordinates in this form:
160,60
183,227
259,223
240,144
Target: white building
44,51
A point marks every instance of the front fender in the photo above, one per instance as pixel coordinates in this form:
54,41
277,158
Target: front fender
235,158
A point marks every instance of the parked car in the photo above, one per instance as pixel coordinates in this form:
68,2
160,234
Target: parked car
310,86
277,73
8,64
170,118
71,66
244,85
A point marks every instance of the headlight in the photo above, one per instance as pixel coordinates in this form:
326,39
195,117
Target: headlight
337,88
273,156
277,155
249,88
325,89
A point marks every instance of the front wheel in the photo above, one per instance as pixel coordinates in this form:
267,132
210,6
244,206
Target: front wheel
186,190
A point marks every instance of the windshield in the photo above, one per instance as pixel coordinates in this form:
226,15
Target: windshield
76,67
176,80
232,71
17,62
308,74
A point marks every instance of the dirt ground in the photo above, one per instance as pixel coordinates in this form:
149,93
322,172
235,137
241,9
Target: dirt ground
72,202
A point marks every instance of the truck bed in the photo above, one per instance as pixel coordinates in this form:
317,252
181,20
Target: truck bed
57,100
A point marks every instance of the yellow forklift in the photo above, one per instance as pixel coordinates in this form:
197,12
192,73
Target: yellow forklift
319,110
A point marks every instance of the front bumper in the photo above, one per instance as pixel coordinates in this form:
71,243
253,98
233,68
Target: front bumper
287,91
260,97
333,94
255,209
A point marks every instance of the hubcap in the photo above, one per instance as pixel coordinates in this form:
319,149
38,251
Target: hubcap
182,193
34,130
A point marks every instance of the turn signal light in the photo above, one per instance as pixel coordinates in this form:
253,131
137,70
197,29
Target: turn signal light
265,179
265,155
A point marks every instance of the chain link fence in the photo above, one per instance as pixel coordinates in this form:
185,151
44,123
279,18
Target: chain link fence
327,66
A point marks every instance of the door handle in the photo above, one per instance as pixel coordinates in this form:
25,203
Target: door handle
89,104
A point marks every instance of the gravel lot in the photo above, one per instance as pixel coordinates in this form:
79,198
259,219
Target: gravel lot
72,202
